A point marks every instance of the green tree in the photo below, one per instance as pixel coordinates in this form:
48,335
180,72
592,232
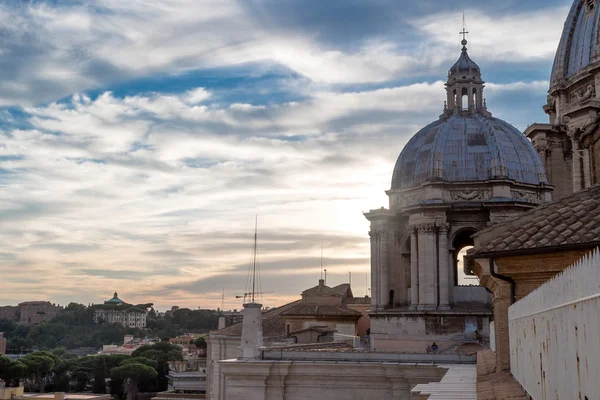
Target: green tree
200,342
39,365
141,360
162,353
132,374
12,372
99,375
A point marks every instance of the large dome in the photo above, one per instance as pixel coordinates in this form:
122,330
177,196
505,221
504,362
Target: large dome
579,45
467,147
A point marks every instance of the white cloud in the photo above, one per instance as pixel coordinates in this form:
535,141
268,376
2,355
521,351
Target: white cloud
164,190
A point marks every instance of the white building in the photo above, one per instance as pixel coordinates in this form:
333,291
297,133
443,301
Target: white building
116,311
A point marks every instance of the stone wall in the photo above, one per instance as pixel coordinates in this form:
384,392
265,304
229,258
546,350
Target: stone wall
413,333
297,380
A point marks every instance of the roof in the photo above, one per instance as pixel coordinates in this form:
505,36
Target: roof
359,300
323,290
577,48
467,148
573,220
320,329
114,300
321,310
272,323
464,63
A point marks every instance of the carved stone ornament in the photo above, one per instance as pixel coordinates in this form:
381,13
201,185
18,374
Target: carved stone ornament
467,194
525,196
582,94
443,228
409,199
426,228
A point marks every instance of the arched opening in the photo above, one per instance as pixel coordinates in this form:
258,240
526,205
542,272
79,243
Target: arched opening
474,98
465,99
391,304
454,99
462,242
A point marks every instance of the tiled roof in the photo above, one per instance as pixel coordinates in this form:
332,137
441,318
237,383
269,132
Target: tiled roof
320,310
359,300
572,220
320,329
324,290
273,324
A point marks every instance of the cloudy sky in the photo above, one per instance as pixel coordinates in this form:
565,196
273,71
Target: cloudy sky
139,139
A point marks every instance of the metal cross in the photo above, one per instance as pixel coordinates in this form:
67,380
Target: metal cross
464,33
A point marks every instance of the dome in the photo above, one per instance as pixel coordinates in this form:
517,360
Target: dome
578,46
464,63
467,147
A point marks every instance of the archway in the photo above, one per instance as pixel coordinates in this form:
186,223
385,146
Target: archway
462,242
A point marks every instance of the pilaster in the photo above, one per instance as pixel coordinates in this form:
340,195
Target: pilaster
444,272
427,266
414,268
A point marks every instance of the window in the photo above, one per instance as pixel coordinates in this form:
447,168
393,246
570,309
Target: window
462,242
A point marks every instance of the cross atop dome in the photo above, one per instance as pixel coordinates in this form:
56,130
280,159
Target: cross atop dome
465,86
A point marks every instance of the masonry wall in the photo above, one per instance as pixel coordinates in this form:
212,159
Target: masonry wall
298,380
413,333
553,332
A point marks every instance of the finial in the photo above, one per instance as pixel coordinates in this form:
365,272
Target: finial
464,34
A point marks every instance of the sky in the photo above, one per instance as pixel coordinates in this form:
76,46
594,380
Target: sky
139,139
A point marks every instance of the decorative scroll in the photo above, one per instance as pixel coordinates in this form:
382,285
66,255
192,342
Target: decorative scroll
467,194
525,196
582,94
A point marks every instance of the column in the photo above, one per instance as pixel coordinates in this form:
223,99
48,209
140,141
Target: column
384,287
414,269
427,266
587,171
443,230
374,270
577,183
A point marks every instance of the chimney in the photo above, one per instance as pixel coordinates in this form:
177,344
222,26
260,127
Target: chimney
321,282
221,323
252,334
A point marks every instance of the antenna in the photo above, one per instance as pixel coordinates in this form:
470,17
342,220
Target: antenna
325,276
321,260
223,300
254,260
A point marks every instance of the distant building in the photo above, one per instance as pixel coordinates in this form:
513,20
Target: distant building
232,317
116,311
324,308
8,312
321,314
184,340
2,343
35,312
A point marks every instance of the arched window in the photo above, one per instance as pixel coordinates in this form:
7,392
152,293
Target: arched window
475,98
462,242
392,298
465,99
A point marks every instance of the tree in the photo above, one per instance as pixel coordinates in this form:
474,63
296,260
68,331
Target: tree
39,364
141,360
99,375
133,374
162,353
200,343
12,372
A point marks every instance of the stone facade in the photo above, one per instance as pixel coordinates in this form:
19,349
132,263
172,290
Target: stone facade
455,177
297,380
129,318
570,144
35,312
2,344
8,312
